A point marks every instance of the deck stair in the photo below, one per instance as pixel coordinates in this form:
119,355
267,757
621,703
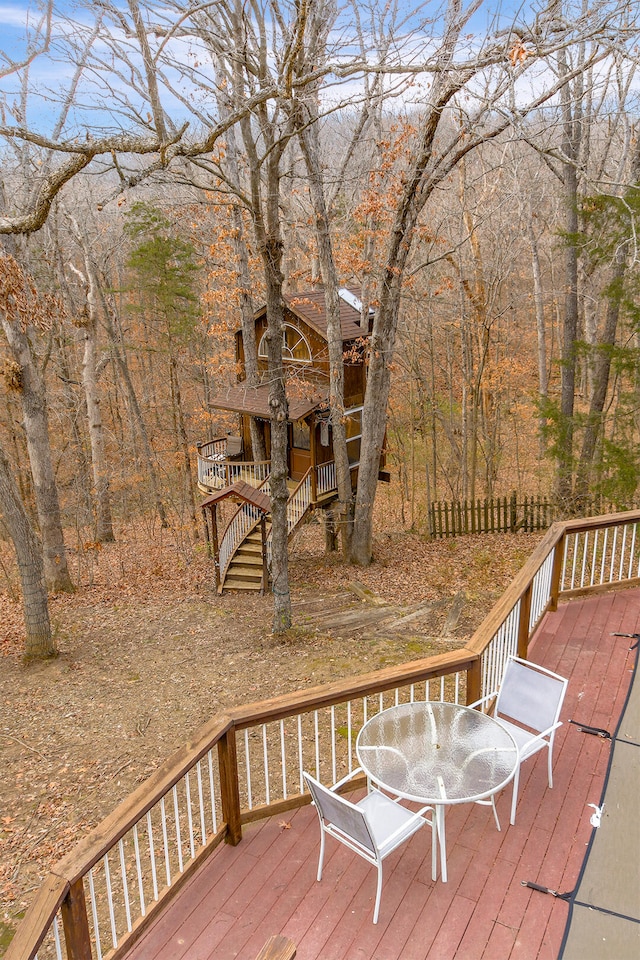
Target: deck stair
246,566
247,540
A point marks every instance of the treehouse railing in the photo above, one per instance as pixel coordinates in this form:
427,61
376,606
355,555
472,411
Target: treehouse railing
216,471
248,516
326,479
247,763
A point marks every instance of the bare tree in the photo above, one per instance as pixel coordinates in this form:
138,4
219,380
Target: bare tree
22,311
89,324
489,79
39,640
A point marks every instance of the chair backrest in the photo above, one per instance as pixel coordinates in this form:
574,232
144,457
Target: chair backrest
530,694
339,812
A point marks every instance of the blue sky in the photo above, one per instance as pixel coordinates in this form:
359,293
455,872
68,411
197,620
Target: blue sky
50,74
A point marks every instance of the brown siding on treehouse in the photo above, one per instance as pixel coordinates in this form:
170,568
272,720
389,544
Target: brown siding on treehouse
354,384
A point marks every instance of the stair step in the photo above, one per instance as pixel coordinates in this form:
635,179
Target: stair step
255,559
231,584
248,573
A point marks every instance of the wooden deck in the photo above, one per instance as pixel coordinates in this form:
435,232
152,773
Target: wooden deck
266,885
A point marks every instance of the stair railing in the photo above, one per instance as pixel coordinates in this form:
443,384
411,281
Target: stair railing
297,506
241,524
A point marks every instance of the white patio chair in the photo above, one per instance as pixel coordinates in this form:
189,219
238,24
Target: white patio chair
373,827
528,705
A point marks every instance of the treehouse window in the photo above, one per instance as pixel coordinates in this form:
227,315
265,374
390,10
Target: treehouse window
300,436
294,345
353,431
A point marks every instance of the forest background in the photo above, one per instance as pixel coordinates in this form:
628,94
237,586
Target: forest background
471,171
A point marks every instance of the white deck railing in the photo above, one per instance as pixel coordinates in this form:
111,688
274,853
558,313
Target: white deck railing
215,471
595,557
326,479
272,756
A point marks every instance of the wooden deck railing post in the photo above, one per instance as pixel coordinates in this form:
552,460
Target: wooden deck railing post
523,622
556,572
474,681
229,792
76,923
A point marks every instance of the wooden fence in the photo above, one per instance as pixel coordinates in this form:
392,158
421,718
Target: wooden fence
453,518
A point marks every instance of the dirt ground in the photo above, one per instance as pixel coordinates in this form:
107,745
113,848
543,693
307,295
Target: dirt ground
148,651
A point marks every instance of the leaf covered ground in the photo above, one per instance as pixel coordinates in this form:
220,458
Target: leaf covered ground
148,651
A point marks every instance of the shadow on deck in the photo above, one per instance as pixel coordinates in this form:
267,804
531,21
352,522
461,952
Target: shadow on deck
266,885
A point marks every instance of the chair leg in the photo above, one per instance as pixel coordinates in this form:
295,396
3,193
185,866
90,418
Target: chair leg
495,812
378,893
514,800
434,847
321,858
439,814
549,759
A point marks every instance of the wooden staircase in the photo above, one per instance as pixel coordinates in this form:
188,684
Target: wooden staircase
242,564
245,571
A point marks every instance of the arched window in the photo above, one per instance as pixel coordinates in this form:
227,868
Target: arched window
295,346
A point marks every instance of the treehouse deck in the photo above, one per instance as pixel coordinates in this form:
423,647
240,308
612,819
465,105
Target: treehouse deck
266,885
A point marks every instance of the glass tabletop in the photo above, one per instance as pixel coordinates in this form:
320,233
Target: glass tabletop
437,752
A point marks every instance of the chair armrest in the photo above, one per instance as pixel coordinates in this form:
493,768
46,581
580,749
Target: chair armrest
346,779
419,815
489,696
534,738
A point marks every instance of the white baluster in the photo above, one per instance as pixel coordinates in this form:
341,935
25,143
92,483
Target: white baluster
125,885
176,813
152,856
187,793
94,914
112,916
136,847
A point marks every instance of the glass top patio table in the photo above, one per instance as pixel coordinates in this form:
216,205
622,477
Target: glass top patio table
437,753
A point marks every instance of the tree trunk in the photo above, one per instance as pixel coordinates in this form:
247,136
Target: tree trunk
101,495
239,242
374,414
266,219
135,412
538,299
34,408
272,255
601,372
571,142
258,447
39,642
311,151
183,443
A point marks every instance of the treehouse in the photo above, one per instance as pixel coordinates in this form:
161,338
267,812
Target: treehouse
227,467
